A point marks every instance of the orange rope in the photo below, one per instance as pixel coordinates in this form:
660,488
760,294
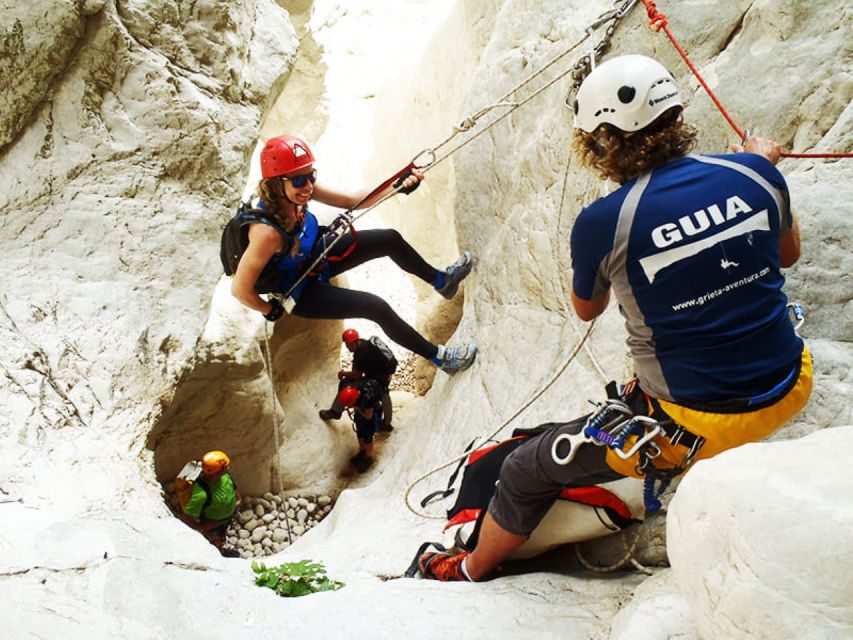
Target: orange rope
659,22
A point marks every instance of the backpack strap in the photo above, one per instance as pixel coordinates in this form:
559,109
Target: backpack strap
443,493
412,571
250,215
206,488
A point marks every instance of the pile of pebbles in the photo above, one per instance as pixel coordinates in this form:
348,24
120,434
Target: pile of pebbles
404,377
260,527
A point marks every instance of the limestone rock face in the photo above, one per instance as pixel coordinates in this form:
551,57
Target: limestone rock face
126,131
38,44
758,539
657,610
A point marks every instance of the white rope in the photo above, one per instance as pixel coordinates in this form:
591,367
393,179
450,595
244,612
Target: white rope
627,558
533,399
468,123
613,16
563,286
274,410
580,344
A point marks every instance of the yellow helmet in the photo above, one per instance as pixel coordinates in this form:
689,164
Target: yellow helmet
215,462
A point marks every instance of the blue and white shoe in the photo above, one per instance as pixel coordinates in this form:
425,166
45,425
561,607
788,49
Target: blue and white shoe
458,359
456,273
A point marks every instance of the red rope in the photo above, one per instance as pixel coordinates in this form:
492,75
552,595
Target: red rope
658,22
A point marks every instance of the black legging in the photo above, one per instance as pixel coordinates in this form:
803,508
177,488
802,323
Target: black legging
326,301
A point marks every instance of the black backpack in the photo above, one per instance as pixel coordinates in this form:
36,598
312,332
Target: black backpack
235,239
387,355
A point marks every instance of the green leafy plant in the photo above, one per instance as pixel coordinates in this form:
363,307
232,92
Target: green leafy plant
294,579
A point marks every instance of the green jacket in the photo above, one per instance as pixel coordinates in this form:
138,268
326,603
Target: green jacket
223,499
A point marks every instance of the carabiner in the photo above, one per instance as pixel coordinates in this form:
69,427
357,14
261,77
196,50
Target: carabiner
796,309
575,440
648,437
431,162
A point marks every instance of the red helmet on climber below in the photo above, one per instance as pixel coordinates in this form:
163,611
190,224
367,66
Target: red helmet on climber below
349,335
628,92
284,155
215,462
348,396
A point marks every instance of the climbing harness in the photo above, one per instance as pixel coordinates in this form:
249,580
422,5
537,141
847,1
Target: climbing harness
609,426
346,220
659,22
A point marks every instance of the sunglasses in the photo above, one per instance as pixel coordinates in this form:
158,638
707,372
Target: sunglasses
301,180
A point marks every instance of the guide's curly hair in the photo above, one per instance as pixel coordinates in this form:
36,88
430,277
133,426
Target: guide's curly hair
620,155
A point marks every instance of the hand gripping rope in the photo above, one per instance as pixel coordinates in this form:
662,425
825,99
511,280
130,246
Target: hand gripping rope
659,22
346,221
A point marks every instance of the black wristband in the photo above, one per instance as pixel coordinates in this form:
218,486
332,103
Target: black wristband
276,312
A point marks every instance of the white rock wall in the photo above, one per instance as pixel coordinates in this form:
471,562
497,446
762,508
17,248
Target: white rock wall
759,540
124,151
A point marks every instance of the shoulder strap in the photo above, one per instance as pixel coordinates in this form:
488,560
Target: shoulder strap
249,215
206,488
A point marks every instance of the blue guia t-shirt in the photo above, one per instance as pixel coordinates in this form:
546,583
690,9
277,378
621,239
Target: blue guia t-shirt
691,251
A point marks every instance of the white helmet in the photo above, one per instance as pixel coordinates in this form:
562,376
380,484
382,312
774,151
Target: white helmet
628,92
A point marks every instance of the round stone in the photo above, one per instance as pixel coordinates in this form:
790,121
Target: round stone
279,535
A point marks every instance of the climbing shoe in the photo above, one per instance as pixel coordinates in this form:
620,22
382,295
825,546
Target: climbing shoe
443,567
361,461
328,414
458,359
455,273
385,428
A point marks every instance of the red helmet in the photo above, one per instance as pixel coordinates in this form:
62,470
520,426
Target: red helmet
284,155
349,335
348,396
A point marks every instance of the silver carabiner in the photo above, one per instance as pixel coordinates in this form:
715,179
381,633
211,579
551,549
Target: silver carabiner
650,435
574,440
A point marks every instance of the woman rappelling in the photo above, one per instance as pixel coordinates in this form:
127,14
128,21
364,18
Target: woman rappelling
287,240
